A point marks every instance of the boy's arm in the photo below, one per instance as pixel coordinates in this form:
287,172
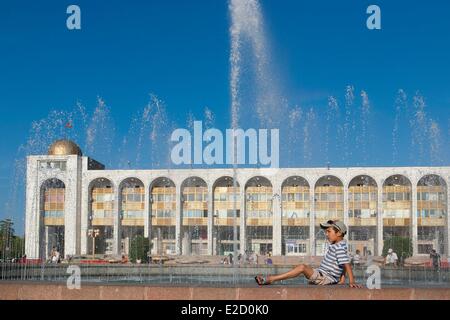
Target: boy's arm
351,278
342,279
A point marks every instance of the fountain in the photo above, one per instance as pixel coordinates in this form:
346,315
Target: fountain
336,132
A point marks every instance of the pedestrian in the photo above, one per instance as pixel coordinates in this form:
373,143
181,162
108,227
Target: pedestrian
391,258
435,259
356,259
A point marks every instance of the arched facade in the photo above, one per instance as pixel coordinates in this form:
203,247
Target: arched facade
132,216
259,215
163,216
102,217
362,214
295,216
397,211
194,216
328,205
227,216
52,195
432,215
191,211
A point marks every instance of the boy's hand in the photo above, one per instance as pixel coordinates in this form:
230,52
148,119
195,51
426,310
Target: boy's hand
354,285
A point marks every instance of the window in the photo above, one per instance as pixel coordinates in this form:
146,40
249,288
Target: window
230,213
366,213
302,248
53,165
424,248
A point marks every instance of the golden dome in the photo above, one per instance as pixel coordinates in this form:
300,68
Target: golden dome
64,148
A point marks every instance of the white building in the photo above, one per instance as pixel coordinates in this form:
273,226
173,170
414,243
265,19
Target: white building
69,197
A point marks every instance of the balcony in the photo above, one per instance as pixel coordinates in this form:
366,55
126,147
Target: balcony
295,222
195,221
163,221
54,221
259,222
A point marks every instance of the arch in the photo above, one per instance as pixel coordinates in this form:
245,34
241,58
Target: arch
54,201
162,207
295,213
397,179
364,180
130,197
293,181
52,214
130,181
227,181
102,181
432,217
53,181
329,180
396,210
259,214
432,180
193,181
194,214
161,182
258,181
362,213
226,204
101,211
328,205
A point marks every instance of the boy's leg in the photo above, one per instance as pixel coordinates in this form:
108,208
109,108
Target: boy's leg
304,269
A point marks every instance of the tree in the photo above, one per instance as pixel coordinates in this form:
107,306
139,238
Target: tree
11,246
401,245
139,247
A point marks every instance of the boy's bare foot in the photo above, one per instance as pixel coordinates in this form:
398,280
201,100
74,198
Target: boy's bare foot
261,280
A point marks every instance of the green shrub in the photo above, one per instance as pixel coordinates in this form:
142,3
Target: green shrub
139,247
402,246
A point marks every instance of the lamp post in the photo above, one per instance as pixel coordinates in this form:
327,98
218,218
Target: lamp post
93,233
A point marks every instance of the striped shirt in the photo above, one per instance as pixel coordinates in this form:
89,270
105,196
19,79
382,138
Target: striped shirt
332,265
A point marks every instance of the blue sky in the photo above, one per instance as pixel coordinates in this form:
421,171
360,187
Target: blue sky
179,51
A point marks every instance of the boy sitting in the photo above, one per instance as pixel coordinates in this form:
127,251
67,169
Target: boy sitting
333,267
